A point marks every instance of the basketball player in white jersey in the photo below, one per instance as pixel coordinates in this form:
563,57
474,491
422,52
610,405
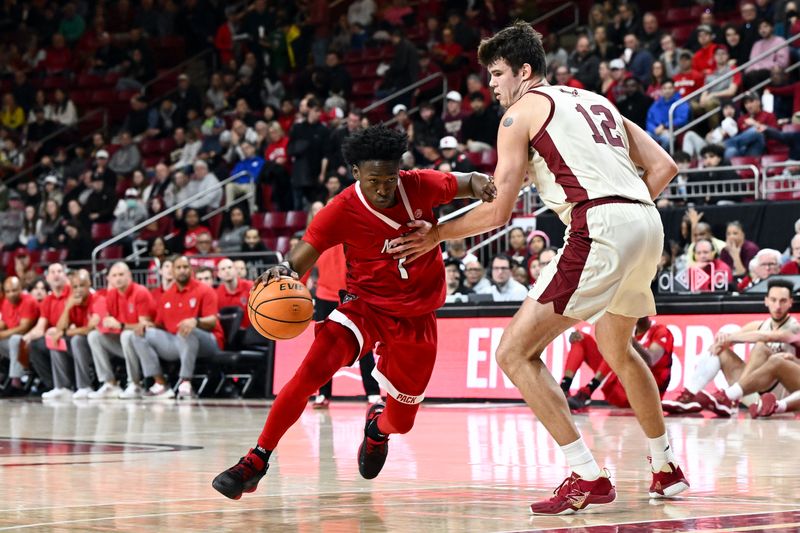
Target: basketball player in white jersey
582,156
775,335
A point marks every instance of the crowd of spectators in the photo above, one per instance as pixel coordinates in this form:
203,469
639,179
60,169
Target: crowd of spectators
282,93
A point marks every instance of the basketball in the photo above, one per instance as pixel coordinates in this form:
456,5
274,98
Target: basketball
281,309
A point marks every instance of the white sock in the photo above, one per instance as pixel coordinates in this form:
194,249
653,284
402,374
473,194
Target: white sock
580,460
750,399
661,452
706,369
734,392
780,406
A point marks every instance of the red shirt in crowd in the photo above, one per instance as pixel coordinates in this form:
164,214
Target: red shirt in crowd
278,149
12,314
237,298
195,300
52,306
703,60
128,306
190,239
79,314
688,82
332,273
385,283
792,267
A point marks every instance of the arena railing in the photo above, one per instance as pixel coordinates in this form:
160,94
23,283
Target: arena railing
527,199
61,131
257,262
689,190
553,12
117,238
724,78
785,183
498,243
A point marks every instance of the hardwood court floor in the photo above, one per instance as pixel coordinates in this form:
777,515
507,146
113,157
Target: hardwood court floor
148,466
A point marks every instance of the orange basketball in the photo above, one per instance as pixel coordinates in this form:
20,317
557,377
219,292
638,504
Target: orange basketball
281,309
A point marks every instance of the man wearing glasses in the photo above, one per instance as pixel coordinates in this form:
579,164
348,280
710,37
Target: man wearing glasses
504,288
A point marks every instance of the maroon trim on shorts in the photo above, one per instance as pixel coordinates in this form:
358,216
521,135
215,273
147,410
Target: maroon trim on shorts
576,252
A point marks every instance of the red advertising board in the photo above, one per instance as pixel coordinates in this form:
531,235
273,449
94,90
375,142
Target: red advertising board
466,367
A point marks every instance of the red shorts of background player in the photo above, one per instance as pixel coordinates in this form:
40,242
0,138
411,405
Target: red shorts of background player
586,351
404,346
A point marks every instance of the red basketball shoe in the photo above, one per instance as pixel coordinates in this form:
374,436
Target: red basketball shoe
685,403
372,453
767,405
241,477
718,403
668,482
575,494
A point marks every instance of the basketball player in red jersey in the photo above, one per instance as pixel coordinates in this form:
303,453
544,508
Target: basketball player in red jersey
653,342
582,156
387,303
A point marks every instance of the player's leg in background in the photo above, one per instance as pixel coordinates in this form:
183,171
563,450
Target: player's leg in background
583,349
759,355
533,327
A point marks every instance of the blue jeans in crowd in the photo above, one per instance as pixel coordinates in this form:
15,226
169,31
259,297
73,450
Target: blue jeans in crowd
747,143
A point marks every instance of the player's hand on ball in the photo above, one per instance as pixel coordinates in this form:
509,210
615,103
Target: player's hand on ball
416,243
483,187
274,273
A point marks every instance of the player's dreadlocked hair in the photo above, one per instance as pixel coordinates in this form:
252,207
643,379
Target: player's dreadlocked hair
376,143
517,44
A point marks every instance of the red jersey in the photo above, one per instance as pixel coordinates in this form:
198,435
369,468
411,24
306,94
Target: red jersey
128,306
237,298
52,306
79,314
792,267
195,300
703,60
661,335
190,239
372,274
12,314
332,270
688,82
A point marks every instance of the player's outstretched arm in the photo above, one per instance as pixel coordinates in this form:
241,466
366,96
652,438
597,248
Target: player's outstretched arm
299,260
513,138
647,154
475,185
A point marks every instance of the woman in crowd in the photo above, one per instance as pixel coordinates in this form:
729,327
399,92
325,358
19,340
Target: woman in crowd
234,228
63,109
31,226
517,246
657,76
51,225
38,289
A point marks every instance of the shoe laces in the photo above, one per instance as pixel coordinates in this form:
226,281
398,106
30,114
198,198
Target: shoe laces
245,468
568,488
685,396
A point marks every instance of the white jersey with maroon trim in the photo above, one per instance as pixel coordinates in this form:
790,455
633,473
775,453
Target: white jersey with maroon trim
789,324
582,152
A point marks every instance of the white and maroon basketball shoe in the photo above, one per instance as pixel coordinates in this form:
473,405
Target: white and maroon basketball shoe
576,493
